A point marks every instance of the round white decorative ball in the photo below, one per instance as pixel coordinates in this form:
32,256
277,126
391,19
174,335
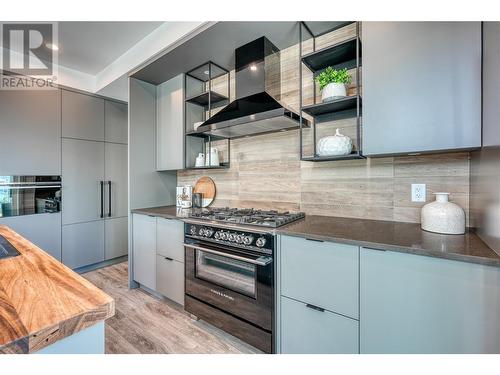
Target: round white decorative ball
334,145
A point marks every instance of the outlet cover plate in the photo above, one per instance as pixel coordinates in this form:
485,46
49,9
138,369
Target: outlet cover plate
418,193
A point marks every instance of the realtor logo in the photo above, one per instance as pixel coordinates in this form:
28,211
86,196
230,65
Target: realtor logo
29,55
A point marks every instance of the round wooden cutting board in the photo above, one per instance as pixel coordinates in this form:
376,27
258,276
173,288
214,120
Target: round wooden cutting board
205,186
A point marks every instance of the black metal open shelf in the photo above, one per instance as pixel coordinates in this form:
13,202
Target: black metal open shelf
340,55
212,98
221,166
352,155
204,135
344,104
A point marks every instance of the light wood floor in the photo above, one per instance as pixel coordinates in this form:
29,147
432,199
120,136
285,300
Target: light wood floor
147,325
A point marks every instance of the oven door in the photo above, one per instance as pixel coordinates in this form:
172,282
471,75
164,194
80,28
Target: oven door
235,282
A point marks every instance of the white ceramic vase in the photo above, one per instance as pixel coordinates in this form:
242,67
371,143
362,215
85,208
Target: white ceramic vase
334,145
214,158
333,91
442,216
200,160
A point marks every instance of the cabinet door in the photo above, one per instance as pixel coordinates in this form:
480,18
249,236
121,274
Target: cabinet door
116,173
116,237
419,304
305,330
44,230
83,244
82,172
144,243
170,238
324,274
82,116
115,122
170,278
425,93
30,121
170,124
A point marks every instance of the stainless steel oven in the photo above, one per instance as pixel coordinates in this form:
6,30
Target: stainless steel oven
230,281
28,195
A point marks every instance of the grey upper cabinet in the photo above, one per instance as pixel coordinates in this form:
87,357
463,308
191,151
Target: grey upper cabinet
421,87
82,116
115,122
30,121
491,84
170,124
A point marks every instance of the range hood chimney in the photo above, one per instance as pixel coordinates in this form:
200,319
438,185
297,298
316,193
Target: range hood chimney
258,83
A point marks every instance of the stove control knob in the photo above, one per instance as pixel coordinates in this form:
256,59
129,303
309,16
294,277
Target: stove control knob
232,237
209,232
261,241
201,232
217,235
248,240
239,238
192,230
223,236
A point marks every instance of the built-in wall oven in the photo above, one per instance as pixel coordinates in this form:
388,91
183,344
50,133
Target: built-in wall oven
28,195
230,280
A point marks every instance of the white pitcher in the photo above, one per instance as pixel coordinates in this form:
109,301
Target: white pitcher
214,158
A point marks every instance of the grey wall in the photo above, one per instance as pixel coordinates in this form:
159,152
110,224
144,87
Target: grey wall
485,164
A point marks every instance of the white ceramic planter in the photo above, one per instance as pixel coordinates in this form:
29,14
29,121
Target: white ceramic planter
333,91
334,145
442,216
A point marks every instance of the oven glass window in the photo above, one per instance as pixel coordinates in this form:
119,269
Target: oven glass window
233,274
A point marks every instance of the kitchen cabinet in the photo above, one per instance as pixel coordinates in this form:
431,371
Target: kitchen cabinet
82,116
170,278
31,132
82,173
170,124
424,95
115,237
83,244
419,304
323,274
115,122
170,238
144,250
115,166
307,330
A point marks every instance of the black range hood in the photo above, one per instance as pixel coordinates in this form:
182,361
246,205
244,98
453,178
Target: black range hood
258,83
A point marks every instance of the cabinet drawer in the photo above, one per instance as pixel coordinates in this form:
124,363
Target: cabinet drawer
170,279
169,238
323,274
310,331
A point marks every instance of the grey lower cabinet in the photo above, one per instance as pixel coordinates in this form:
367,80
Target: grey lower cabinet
31,132
318,296
170,124
83,244
307,330
82,116
158,255
115,237
424,95
144,250
419,304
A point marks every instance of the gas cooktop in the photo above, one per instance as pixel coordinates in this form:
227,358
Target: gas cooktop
248,216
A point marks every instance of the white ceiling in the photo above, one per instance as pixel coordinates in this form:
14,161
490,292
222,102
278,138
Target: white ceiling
89,47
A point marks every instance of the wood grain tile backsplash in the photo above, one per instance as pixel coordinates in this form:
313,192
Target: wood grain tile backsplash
266,172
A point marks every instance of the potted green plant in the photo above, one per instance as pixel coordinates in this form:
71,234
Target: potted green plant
332,83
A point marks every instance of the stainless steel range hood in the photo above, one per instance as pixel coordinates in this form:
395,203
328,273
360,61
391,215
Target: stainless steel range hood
255,110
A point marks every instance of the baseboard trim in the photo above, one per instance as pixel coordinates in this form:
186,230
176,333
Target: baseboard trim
106,263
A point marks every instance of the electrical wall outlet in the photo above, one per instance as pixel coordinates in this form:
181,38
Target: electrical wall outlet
418,193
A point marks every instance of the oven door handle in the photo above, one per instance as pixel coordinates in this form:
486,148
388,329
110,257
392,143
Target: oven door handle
260,261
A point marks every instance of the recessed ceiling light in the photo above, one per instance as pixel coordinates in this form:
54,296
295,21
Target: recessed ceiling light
51,46
206,72
253,67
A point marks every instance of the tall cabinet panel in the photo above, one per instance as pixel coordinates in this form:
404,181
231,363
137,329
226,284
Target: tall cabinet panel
116,179
82,116
31,132
83,171
170,124
421,87
115,118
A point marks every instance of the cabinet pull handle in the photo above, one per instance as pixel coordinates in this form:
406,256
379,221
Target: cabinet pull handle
167,258
109,198
102,199
314,239
372,248
315,307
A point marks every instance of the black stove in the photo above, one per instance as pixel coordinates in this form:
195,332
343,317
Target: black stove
250,216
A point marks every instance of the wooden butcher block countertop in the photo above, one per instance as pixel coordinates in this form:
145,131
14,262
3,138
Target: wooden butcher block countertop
43,301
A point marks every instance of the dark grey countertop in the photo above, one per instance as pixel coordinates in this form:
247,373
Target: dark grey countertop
382,235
